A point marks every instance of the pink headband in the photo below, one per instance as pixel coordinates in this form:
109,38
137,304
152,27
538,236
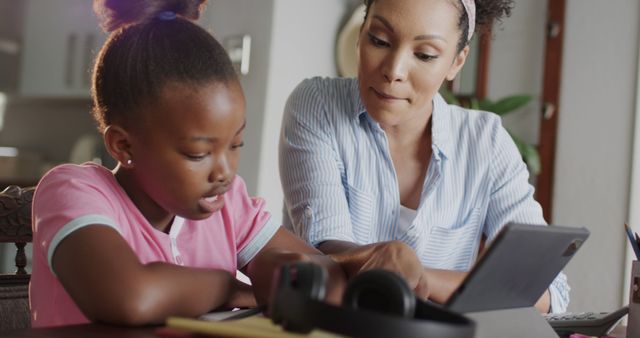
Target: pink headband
470,8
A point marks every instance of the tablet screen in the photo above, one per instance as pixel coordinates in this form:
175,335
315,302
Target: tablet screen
517,268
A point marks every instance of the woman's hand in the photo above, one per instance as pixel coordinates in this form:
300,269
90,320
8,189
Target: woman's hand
443,283
394,256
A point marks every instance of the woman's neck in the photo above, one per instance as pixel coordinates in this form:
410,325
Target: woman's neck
411,131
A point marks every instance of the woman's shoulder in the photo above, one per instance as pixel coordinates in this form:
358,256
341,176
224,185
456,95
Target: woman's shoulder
323,83
322,101
320,116
327,90
473,116
476,121
479,128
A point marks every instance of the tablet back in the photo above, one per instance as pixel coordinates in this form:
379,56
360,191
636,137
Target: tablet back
517,268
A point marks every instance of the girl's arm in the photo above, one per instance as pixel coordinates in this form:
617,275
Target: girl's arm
284,247
241,297
109,284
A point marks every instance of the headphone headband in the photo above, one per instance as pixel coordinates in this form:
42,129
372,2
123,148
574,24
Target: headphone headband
297,311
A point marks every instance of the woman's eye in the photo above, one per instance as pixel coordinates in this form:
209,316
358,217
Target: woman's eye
425,57
195,157
237,146
377,42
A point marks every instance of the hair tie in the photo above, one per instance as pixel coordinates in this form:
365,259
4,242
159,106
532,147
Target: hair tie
470,8
166,15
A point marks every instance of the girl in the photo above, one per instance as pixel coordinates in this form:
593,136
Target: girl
164,232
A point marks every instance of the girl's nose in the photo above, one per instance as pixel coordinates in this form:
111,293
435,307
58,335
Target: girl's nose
221,171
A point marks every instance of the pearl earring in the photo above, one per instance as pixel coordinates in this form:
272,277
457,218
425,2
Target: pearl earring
129,162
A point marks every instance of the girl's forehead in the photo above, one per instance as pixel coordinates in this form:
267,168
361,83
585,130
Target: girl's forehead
184,106
214,96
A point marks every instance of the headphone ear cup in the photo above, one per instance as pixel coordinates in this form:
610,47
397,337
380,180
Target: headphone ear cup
309,279
281,282
380,291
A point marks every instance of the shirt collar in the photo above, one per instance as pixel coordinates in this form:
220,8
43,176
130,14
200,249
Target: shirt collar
440,126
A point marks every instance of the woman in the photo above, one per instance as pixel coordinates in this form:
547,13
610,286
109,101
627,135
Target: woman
384,158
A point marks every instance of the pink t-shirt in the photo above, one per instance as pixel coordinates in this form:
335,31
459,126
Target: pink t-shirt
70,197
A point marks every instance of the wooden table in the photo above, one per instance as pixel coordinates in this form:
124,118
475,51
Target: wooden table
97,331
102,330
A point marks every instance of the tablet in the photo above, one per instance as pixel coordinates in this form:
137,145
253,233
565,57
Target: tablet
517,268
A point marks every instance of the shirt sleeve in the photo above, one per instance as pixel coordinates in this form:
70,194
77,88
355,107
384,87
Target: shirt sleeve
310,169
67,200
253,224
512,200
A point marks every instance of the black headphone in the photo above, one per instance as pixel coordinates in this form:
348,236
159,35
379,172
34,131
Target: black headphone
376,303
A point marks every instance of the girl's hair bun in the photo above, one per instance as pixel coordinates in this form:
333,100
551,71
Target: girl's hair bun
114,14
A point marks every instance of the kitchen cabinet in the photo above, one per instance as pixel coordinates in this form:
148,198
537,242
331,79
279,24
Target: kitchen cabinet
60,42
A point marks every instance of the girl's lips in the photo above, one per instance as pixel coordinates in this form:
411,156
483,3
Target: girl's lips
211,204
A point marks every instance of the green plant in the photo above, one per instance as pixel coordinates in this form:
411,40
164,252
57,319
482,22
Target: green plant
503,107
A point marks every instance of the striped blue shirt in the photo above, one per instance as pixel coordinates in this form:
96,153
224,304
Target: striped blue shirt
339,180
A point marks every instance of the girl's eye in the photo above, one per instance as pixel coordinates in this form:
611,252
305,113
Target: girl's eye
377,42
237,146
425,57
195,157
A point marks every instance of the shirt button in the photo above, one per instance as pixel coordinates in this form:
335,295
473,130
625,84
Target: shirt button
179,260
308,212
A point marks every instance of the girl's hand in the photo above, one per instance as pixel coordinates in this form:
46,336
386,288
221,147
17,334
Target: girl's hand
242,296
284,247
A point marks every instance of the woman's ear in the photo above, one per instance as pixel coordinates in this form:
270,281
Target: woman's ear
118,144
457,64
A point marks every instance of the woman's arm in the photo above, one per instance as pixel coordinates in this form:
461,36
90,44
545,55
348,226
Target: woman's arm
109,284
310,166
512,200
436,284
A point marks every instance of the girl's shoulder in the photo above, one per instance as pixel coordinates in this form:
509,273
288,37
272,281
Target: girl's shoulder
86,171
83,178
237,198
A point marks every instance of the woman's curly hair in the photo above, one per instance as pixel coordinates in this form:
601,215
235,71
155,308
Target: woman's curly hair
487,12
